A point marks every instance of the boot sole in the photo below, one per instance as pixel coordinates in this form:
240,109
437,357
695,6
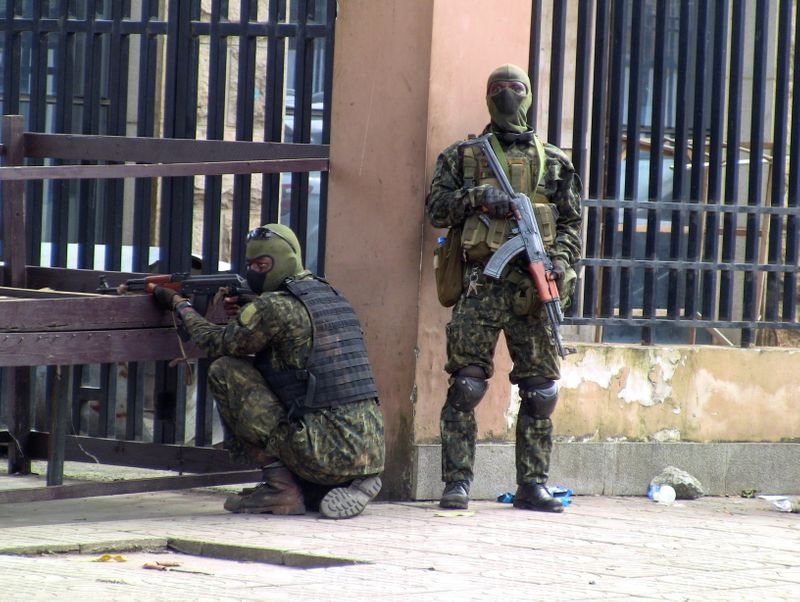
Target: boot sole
350,501
453,504
529,506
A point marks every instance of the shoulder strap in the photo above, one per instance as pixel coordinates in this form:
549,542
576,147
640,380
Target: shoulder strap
542,159
501,155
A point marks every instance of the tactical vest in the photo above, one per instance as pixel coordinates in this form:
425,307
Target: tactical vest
482,235
338,370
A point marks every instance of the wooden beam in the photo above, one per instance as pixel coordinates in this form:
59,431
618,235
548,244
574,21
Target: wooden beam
138,454
92,347
13,206
68,312
67,279
80,490
158,170
81,147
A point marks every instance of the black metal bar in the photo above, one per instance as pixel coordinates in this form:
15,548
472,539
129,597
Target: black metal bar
633,133
534,56
117,93
609,275
597,153
87,209
792,254
555,107
655,189
245,102
697,177
64,82
778,177
750,297
677,245
582,87
215,128
145,126
732,156
715,155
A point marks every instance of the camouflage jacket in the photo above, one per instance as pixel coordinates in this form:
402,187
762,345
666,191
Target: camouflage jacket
275,321
448,203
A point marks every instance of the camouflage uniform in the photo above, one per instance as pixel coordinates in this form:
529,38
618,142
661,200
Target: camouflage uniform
486,307
327,447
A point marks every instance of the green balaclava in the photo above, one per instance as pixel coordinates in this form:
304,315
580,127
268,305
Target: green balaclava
280,244
508,109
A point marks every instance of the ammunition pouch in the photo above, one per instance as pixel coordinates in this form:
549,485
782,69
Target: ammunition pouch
448,266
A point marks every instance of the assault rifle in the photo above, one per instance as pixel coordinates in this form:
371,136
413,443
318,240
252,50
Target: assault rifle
529,240
202,288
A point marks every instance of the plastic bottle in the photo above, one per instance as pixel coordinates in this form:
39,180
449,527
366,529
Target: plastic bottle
663,494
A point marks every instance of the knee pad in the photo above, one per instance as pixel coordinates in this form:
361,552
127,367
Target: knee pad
539,398
466,392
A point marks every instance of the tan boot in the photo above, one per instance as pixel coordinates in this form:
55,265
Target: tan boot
278,494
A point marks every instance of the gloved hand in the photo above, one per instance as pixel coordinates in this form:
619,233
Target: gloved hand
558,272
497,202
165,297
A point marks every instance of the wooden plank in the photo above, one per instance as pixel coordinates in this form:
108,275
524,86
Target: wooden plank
162,150
92,347
13,207
83,313
158,170
138,454
80,490
67,279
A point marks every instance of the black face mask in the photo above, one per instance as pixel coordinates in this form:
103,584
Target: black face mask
507,102
256,281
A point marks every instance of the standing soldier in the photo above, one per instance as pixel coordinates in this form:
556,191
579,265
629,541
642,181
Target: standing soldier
293,385
466,198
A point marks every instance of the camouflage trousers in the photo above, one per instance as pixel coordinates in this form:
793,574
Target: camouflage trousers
483,311
326,447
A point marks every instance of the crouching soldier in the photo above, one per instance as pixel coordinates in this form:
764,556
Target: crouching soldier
293,386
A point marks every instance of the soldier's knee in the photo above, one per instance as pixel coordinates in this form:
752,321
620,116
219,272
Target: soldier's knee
467,388
220,368
539,396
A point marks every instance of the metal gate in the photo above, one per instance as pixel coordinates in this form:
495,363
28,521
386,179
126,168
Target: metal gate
252,70
686,134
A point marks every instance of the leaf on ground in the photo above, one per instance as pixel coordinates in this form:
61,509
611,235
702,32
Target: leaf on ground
109,557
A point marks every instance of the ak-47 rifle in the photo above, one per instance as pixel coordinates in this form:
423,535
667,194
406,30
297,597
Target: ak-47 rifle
529,239
202,288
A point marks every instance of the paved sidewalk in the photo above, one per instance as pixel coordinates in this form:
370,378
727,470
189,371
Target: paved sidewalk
600,548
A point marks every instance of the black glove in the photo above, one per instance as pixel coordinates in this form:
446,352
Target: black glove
497,202
558,271
164,297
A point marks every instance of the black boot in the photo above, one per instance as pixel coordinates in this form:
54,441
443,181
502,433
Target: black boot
456,495
536,497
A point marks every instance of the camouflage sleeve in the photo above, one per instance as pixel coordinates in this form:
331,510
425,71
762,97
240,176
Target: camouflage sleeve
448,203
251,330
563,188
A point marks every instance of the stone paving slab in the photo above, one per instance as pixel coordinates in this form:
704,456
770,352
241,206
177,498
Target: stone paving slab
600,548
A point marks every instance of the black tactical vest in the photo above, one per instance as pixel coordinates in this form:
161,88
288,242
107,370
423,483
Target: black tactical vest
338,370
